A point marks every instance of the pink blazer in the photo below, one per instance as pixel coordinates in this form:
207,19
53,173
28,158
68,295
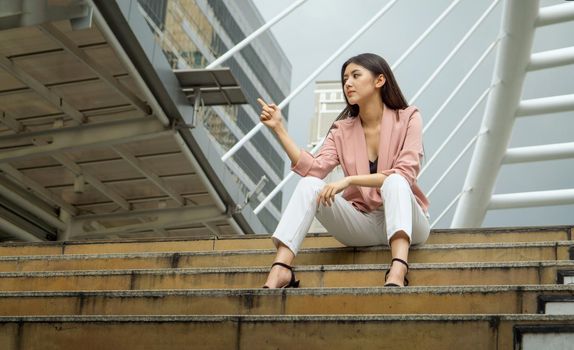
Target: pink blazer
400,151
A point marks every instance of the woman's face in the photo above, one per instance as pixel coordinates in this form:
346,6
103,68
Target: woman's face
359,84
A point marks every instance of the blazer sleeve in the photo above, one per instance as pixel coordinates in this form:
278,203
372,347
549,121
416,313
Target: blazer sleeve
408,161
320,164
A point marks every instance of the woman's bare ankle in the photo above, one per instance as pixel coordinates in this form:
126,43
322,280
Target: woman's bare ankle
278,277
397,274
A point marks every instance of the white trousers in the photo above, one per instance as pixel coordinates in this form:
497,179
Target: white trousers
399,212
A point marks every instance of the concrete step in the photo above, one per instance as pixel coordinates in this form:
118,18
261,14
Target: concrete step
562,304
487,235
311,276
317,301
435,253
262,332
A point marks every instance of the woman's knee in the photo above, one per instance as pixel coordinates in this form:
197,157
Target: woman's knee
393,182
310,183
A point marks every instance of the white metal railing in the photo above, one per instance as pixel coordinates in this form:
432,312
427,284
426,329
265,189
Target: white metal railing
531,199
452,165
549,15
551,58
537,153
505,105
448,207
164,38
301,86
282,183
182,62
555,14
233,129
426,33
395,65
457,128
411,48
470,143
461,84
553,104
426,84
454,51
254,35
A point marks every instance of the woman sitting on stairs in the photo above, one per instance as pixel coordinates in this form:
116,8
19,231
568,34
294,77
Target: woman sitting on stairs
377,140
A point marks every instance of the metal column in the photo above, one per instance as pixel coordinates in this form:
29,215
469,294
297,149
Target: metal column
518,27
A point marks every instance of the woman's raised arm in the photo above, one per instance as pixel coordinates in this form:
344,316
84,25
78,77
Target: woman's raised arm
271,117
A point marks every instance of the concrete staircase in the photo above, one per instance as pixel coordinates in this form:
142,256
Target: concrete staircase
471,289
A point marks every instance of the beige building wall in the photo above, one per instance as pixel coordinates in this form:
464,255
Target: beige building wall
329,102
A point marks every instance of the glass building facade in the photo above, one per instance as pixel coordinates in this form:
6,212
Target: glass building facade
194,32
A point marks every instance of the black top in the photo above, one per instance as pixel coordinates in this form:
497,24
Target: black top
373,166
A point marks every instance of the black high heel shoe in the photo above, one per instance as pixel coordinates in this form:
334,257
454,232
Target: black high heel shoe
406,282
293,283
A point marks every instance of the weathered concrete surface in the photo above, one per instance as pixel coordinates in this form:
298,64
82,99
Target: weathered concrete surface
412,300
432,253
510,273
469,289
264,332
445,236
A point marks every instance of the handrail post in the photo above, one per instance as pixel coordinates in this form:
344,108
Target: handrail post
518,25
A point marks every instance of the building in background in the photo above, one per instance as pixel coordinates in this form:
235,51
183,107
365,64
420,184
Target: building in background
192,34
99,138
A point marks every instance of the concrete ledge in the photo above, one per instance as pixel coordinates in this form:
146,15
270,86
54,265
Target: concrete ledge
261,332
502,245
523,273
563,231
304,268
474,252
290,318
297,291
319,301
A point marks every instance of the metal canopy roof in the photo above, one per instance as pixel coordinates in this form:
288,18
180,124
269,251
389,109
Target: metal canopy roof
216,86
82,151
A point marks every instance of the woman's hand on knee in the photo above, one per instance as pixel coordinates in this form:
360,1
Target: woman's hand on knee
327,194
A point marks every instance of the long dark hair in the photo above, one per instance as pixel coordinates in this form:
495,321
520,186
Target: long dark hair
391,93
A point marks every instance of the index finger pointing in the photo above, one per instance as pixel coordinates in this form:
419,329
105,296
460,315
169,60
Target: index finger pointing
261,102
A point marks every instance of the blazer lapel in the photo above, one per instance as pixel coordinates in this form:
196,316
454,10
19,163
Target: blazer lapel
360,148
387,126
